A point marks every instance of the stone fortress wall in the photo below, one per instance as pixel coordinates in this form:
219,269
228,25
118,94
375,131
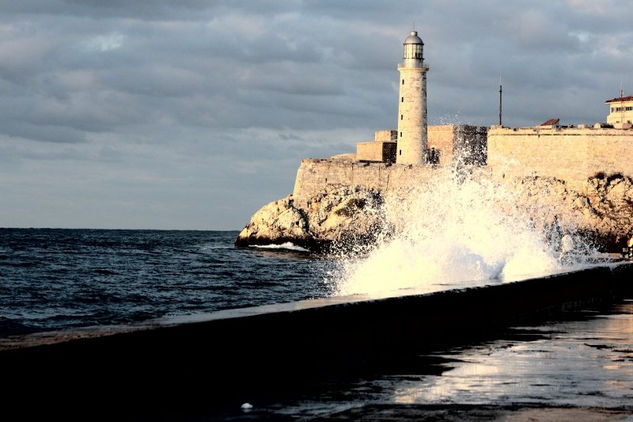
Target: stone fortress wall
373,165
572,154
319,175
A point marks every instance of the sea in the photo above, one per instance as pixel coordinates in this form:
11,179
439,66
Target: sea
53,279
58,279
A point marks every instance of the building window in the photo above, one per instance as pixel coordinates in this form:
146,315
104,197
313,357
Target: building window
402,100
403,82
401,117
401,134
400,152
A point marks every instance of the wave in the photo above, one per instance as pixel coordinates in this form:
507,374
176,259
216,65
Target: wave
288,246
456,232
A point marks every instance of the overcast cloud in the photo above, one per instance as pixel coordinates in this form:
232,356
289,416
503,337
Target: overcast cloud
193,114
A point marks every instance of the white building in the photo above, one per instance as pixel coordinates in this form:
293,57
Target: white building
620,110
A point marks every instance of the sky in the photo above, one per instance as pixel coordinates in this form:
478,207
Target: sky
193,114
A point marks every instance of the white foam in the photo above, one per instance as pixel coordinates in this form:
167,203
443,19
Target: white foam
289,246
458,233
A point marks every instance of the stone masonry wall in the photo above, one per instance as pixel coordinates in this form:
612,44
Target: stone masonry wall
570,154
376,151
369,151
316,175
386,135
441,138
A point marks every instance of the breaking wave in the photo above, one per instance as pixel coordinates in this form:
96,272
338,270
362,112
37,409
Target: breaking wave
461,231
288,246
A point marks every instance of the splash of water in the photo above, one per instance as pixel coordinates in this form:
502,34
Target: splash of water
458,232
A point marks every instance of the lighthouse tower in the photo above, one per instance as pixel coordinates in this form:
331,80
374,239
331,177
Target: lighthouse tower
412,137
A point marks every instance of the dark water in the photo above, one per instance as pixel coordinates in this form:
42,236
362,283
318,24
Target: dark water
55,279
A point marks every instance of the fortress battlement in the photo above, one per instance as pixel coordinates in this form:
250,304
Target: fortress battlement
597,131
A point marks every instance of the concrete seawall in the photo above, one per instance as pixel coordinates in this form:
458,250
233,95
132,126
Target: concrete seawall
230,356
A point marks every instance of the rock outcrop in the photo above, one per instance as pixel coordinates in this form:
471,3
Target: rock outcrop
341,217
348,217
276,223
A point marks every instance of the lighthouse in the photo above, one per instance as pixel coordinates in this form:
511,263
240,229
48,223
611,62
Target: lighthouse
412,136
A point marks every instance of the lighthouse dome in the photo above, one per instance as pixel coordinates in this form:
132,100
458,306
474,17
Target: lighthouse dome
413,46
413,38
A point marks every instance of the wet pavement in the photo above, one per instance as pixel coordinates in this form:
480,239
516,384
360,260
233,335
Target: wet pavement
587,362
578,367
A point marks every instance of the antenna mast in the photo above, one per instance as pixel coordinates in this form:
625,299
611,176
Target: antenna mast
622,108
621,90
500,102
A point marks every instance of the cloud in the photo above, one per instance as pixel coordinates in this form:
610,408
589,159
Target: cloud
22,54
221,99
43,132
104,43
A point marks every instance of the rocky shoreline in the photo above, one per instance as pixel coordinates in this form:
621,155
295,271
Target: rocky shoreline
334,219
346,218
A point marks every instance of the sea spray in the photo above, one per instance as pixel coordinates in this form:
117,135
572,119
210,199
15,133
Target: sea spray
458,231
